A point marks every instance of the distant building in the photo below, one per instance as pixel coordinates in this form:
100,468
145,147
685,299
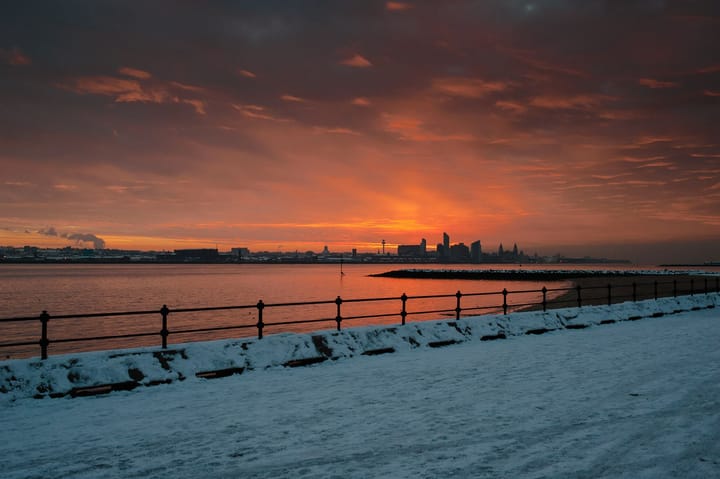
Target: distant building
197,255
476,252
446,241
240,252
413,250
459,252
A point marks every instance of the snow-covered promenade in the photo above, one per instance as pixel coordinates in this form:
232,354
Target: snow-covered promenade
635,399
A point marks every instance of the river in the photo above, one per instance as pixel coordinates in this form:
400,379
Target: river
27,290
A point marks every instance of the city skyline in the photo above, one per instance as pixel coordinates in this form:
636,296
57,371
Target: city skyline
583,128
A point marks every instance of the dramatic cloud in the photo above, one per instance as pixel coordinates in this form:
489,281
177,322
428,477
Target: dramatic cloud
551,123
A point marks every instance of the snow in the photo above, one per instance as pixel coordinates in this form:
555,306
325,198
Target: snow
635,399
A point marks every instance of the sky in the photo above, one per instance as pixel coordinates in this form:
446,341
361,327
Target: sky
576,127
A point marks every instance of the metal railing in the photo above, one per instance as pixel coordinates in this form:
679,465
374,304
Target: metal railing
571,296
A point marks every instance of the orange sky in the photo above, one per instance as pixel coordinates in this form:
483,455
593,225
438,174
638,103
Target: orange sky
562,126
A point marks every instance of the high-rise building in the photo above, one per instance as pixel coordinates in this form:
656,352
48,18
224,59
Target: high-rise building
459,253
476,252
446,241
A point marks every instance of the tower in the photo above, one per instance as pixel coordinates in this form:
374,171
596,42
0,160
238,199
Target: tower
476,252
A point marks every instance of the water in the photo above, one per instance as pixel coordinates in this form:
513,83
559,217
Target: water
26,290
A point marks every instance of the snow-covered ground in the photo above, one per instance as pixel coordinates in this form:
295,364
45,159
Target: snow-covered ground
635,399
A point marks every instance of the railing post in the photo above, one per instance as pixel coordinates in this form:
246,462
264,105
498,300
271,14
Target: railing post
338,318
44,341
458,309
655,284
403,313
505,305
717,284
706,288
164,311
579,296
609,294
634,291
260,324
692,287
674,288
544,301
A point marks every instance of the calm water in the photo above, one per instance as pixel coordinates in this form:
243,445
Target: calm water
26,290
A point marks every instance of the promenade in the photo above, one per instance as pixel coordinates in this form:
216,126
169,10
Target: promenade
636,399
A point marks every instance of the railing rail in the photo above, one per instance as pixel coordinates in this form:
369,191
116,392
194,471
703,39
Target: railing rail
582,296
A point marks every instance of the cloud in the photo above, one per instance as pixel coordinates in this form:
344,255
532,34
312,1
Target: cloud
336,130
361,101
654,84
98,243
649,140
533,59
357,61
413,129
710,69
14,57
632,159
134,73
711,93
657,164
397,6
293,98
466,87
510,106
246,73
49,231
186,87
123,90
573,102
257,112
199,105
138,89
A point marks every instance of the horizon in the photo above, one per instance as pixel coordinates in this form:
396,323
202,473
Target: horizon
588,129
